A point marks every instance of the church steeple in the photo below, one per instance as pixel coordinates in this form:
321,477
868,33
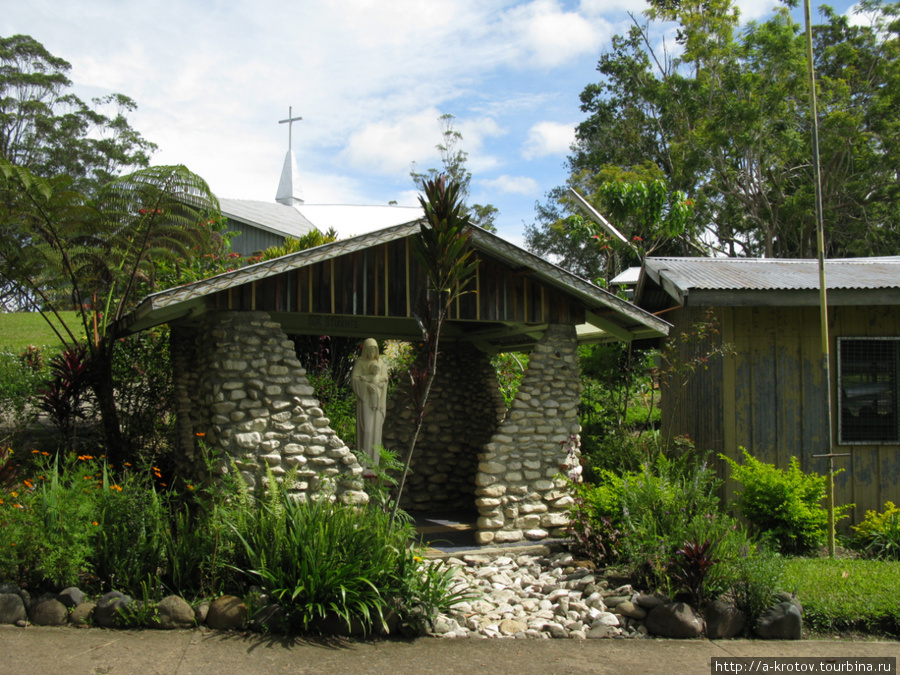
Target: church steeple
289,190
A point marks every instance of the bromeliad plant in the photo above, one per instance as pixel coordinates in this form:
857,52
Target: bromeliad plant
442,251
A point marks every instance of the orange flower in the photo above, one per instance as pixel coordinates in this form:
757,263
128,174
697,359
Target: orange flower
200,434
95,523
115,487
28,483
34,451
190,487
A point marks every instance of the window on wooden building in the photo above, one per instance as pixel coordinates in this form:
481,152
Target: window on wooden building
868,385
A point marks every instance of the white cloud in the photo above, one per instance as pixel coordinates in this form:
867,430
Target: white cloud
512,184
542,34
548,138
390,146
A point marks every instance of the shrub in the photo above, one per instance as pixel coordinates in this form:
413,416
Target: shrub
510,367
49,522
145,395
322,560
19,383
756,577
783,505
879,533
640,519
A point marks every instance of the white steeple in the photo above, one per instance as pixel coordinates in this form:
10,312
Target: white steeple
289,190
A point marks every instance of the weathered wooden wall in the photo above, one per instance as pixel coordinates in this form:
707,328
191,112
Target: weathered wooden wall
384,280
768,396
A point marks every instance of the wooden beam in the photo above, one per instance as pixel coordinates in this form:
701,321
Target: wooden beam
332,284
408,300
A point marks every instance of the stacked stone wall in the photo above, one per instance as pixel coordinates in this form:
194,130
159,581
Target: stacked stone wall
465,409
241,389
520,492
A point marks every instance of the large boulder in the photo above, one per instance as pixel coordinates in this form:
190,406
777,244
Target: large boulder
724,620
227,613
174,612
784,621
71,597
110,608
83,614
12,609
674,620
48,611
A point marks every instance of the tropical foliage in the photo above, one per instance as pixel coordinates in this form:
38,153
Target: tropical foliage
722,117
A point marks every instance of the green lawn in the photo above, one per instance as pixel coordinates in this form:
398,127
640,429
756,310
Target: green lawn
20,329
846,594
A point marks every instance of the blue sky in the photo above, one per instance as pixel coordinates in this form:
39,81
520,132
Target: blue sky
369,77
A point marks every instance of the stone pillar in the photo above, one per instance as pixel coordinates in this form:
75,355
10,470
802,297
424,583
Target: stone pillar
464,410
520,494
241,390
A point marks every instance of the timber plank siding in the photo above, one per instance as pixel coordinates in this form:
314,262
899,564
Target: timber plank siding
768,396
385,280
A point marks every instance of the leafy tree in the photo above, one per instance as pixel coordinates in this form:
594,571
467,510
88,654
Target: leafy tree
97,254
51,131
453,160
725,120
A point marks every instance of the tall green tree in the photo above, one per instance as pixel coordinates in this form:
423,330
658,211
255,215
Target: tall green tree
97,254
725,120
453,165
51,131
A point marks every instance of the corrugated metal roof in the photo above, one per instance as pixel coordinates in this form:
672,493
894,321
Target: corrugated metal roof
269,216
351,220
294,221
775,274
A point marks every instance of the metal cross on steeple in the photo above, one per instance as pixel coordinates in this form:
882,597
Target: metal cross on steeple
290,122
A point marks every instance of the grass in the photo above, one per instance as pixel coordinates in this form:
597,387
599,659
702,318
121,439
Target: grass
20,329
846,594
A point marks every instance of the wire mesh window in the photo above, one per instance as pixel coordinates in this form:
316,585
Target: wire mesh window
868,384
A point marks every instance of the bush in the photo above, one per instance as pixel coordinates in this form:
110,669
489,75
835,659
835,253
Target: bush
322,560
756,578
21,375
145,395
641,519
878,536
783,505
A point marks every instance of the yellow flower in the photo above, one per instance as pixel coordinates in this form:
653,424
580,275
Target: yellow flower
13,494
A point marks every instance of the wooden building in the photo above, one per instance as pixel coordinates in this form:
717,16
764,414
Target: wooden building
242,390
768,394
